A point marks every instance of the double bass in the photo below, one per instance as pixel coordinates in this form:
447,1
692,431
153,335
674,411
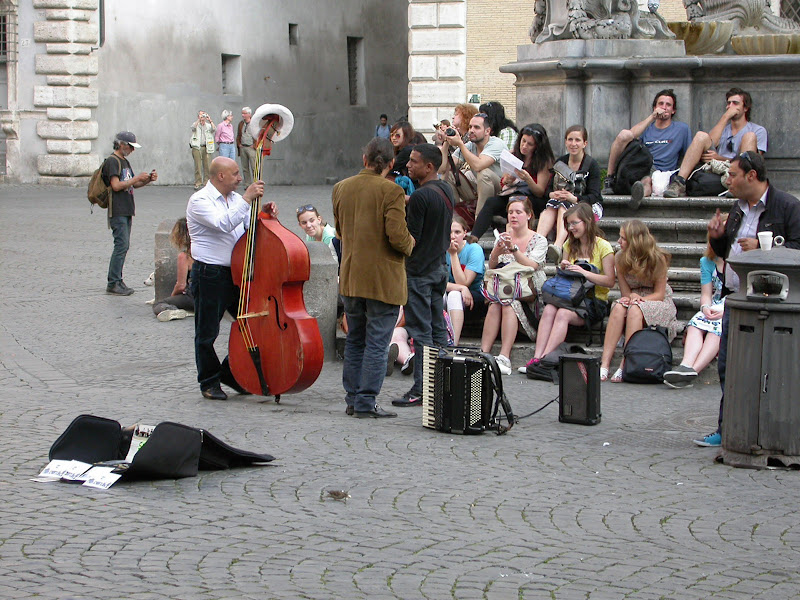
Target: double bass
275,346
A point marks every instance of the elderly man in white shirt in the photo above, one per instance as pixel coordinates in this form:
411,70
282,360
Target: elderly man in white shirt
216,217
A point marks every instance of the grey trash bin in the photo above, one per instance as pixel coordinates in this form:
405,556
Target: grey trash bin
761,414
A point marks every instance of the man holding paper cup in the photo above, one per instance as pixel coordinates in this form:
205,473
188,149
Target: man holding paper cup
761,211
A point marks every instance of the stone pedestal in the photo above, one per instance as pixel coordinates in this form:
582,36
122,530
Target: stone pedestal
609,85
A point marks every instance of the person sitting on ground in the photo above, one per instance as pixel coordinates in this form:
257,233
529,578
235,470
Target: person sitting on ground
733,134
473,170
519,243
181,301
532,147
667,141
465,268
317,230
646,298
584,242
561,200
502,125
705,328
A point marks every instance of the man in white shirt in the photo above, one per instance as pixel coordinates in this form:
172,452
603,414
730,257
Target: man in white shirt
216,217
477,162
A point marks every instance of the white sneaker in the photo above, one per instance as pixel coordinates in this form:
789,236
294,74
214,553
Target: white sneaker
504,364
171,314
151,280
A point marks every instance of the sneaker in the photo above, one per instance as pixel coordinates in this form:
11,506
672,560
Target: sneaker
151,280
504,364
171,314
676,188
394,350
408,365
408,399
524,370
553,254
608,186
118,289
637,193
712,440
680,376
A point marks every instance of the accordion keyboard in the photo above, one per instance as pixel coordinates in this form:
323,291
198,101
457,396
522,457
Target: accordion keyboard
429,383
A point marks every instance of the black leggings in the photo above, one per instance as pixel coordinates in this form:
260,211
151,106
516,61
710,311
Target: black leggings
496,207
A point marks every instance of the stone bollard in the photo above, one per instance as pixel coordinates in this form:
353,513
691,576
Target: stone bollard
166,261
321,293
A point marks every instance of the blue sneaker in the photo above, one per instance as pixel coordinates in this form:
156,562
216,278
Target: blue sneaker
712,440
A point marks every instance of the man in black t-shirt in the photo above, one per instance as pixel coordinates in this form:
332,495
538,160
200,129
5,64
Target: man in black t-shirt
429,214
118,176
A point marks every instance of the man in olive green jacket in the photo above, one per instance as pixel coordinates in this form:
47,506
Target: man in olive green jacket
370,217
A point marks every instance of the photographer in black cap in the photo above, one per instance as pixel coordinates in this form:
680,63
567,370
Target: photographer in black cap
118,176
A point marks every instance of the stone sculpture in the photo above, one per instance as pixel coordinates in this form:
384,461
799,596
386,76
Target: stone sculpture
748,16
596,19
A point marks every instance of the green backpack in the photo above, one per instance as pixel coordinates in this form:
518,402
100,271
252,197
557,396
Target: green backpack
99,193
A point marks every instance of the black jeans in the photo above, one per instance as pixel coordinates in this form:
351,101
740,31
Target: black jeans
214,293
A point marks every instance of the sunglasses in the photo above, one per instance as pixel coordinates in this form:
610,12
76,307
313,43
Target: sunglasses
746,162
730,145
306,208
531,131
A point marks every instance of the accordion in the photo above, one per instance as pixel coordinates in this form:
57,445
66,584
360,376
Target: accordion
457,390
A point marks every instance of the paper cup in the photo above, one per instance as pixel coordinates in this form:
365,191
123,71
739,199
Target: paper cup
765,240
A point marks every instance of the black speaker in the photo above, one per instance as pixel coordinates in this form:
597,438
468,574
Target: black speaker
579,389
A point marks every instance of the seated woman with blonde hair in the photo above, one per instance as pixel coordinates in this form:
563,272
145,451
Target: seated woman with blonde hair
181,302
518,244
646,298
583,243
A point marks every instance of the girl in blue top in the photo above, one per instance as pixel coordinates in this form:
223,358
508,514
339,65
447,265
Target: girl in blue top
465,267
705,328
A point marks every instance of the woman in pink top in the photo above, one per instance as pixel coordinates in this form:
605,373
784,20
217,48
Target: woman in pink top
224,136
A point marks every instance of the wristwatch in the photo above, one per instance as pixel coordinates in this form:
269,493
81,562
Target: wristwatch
514,248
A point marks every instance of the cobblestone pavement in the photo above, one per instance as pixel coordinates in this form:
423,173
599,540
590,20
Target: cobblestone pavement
626,509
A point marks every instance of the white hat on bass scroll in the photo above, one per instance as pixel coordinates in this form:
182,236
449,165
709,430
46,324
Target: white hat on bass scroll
285,120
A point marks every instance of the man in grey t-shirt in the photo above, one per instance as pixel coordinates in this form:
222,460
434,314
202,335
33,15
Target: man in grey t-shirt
477,162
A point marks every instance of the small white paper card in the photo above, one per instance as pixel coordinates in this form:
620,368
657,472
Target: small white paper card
101,477
509,162
65,469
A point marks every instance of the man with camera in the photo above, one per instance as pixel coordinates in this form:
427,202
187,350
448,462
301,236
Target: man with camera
665,138
733,134
474,167
202,145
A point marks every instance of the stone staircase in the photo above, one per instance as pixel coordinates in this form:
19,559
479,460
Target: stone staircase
679,225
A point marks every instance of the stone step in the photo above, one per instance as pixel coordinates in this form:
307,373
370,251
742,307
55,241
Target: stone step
663,229
657,206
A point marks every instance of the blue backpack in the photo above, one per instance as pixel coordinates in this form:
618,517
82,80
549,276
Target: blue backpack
567,289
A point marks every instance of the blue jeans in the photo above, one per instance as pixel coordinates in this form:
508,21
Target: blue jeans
214,293
370,324
228,150
424,317
121,230
722,360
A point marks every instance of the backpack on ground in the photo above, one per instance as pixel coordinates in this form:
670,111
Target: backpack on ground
99,193
634,163
648,355
547,369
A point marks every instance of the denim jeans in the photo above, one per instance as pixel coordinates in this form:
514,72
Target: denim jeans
722,360
424,317
214,293
121,230
228,150
370,324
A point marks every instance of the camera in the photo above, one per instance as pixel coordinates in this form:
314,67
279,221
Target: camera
450,131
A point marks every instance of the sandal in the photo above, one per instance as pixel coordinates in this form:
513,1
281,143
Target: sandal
617,377
603,373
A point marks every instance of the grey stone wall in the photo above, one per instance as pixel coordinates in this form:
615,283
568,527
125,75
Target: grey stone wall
162,61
